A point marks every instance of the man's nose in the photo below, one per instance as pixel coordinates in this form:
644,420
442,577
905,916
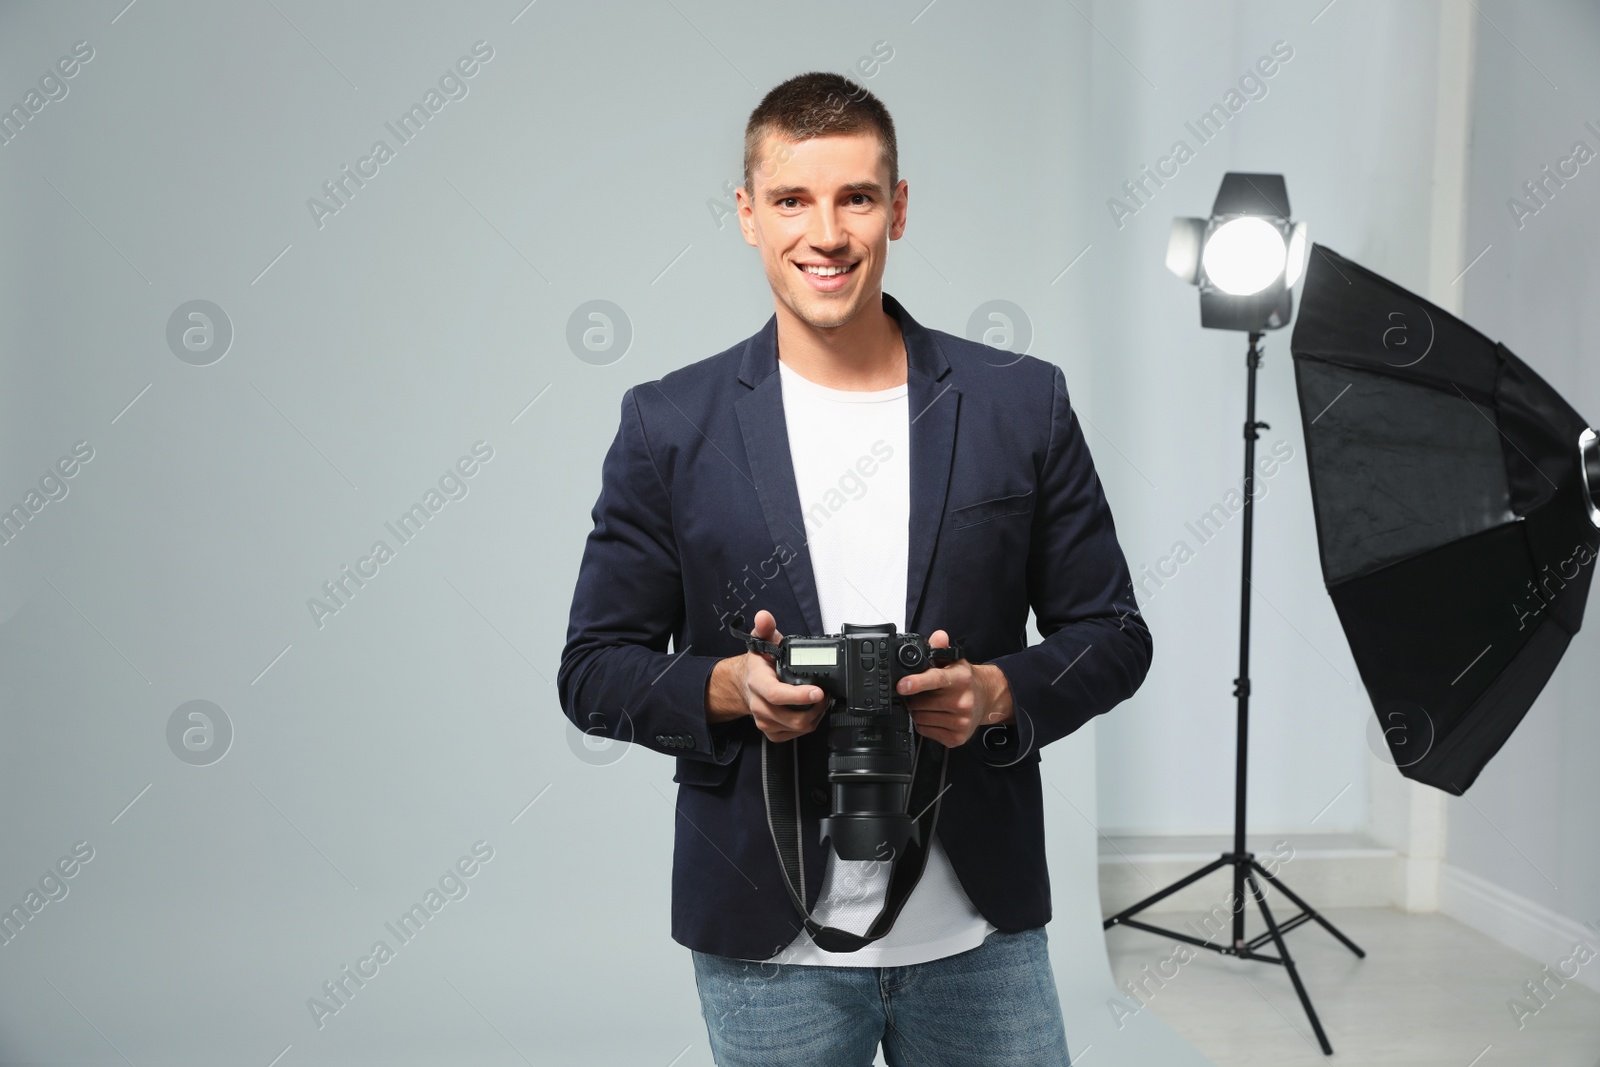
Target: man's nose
825,232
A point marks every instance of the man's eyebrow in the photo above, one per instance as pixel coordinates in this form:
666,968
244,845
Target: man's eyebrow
778,192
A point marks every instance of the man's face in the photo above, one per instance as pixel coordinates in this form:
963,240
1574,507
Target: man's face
823,203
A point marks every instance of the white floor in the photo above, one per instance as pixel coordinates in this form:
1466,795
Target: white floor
1431,993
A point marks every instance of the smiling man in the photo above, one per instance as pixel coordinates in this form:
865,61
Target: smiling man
976,499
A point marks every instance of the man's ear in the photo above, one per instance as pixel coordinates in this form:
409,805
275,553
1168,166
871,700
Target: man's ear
897,207
747,222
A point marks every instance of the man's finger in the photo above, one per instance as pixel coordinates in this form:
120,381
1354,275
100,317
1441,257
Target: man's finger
789,718
935,731
780,693
783,693
932,678
766,628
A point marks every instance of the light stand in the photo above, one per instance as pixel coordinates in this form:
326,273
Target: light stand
1244,865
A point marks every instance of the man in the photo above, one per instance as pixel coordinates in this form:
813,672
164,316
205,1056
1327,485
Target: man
847,464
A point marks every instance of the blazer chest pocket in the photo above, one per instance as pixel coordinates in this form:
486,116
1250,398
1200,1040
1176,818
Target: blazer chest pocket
702,772
985,510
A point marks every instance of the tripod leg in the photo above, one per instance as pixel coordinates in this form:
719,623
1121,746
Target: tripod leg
1288,963
1308,909
1163,894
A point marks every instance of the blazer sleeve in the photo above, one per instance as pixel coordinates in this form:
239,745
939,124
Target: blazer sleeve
616,677
1096,648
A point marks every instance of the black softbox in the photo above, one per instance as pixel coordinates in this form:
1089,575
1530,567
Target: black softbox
1454,495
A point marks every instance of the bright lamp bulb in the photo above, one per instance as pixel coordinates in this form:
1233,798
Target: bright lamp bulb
1244,256
1297,255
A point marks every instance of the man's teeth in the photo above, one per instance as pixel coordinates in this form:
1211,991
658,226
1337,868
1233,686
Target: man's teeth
828,272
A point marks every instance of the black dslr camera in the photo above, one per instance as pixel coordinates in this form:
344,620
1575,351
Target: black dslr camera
871,741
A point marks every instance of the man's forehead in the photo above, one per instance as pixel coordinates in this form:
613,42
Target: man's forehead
850,161
787,185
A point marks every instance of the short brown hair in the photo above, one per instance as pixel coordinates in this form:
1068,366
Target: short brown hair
813,105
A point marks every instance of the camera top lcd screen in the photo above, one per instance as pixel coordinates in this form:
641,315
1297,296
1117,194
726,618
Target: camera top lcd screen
814,656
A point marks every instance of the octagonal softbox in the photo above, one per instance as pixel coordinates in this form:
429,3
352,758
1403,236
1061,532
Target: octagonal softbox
1453,490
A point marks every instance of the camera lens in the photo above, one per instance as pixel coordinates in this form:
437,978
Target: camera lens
870,764
910,655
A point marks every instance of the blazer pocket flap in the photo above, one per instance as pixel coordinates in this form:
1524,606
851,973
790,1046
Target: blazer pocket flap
984,510
702,771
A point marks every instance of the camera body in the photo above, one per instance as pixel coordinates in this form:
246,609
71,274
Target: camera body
871,741
859,667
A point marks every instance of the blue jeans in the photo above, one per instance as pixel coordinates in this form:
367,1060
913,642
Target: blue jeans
991,1006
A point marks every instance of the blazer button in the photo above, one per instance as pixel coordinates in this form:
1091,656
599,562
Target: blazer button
819,795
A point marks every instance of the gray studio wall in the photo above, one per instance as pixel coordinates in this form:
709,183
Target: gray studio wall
365,754
1528,825
587,162
1349,121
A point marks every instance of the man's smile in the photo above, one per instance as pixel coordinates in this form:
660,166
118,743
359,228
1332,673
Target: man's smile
827,277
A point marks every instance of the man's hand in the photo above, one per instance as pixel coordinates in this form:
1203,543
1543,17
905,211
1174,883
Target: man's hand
749,685
950,703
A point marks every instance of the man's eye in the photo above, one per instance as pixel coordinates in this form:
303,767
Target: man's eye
786,201
861,197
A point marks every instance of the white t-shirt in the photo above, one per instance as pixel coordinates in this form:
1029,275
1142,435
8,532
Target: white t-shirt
851,454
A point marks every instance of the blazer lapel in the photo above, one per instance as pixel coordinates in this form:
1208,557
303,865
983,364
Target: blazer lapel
933,404
766,444
932,408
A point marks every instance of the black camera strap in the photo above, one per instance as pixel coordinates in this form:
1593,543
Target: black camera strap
780,779
780,782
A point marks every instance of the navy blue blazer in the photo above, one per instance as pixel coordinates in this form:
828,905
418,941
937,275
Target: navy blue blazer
698,519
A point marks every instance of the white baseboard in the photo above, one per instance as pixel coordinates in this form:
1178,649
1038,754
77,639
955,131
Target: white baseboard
1329,870
1515,921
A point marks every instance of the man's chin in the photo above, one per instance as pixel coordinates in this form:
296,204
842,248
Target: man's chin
824,314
